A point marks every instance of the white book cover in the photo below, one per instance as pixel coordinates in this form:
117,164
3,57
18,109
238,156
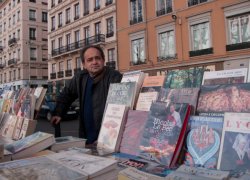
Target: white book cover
132,76
240,74
145,100
112,126
9,127
235,142
38,92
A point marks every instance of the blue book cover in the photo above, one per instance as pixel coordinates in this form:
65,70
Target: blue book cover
203,141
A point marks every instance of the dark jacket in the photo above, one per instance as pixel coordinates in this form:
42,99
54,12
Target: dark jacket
75,88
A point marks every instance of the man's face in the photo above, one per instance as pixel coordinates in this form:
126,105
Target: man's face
172,109
93,61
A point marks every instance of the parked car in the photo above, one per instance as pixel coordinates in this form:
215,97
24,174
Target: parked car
49,105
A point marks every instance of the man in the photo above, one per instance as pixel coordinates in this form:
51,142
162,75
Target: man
176,116
91,87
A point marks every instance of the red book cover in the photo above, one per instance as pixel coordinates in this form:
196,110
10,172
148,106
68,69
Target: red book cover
133,131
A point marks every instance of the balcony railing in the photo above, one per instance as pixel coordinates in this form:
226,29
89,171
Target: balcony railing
111,64
232,47
136,20
1,48
76,70
12,62
195,2
85,13
52,75
201,52
80,44
60,74
139,62
108,2
12,41
97,8
164,11
68,72
166,58
76,17
2,66
109,34
67,21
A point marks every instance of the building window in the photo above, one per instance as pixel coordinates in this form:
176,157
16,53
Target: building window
61,66
97,5
86,35
53,45
44,16
33,54
135,11
78,63
32,15
59,20
18,15
68,41
53,23
69,64
239,29
195,2
52,3
77,13
32,33
77,38
108,2
18,34
14,19
67,14
60,44
164,7
97,28
86,7
53,68
166,45
200,36
111,54
138,51
33,1
110,27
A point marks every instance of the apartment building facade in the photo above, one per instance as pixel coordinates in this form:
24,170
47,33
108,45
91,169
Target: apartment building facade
23,44
73,25
159,35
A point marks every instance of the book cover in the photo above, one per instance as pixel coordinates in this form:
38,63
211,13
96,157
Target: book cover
9,127
231,76
133,131
122,93
235,142
145,100
224,98
28,127
112,127
161,132
184,78
183,95
30,145
203,141
66,142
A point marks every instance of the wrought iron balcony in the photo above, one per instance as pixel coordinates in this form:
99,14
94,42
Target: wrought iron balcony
68,72
76,70
76,17
97,8
108,2
195,2
164,11
166,58
201,52
109,34
60,74
80,44
111,64
67,21
12,62
136,20
1,48
238,46
86,13
12,41
2,65
52,75
139,62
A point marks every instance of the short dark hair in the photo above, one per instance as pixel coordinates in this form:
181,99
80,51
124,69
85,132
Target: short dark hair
92,46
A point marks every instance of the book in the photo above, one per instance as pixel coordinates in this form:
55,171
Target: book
29,145
64,165
9,127
66,142
133,131
231,76
235,148
202,173
135,174
183,95
184,78
112,127
28,127
39,102
203,141
224,98
122,93
18,128
164,132
145,100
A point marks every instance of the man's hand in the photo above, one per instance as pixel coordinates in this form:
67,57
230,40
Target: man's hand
55,119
